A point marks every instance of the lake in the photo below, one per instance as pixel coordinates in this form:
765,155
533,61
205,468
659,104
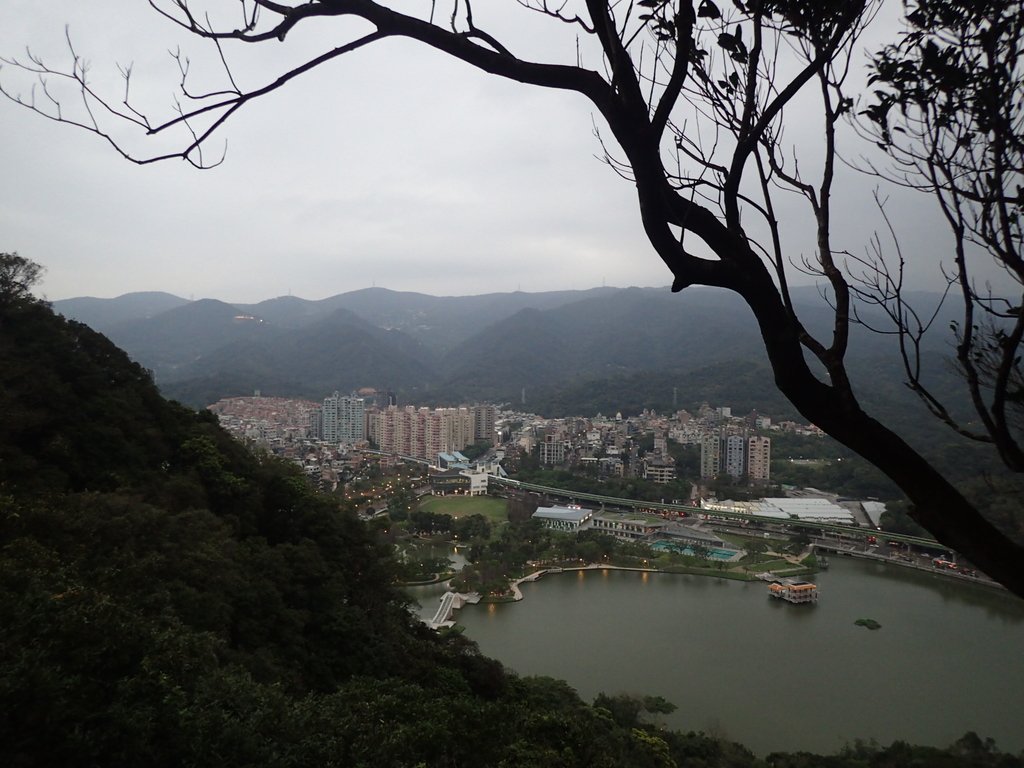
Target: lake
774,676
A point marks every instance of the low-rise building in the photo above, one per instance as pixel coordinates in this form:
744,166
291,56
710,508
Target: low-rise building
443,482
477,481
451,460
793,591
626,526
689,535
660,471
552,450
571,518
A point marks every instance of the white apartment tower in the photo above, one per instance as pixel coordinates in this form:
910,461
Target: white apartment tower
343,419
351,419
734,449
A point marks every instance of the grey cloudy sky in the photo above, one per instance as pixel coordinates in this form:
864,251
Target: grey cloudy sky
392,167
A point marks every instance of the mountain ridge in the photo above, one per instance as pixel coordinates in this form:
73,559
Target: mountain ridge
446,349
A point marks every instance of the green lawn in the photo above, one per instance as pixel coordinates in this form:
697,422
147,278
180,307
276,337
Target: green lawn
463,506
769,565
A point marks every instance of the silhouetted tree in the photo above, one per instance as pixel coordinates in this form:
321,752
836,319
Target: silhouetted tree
948,110
17,276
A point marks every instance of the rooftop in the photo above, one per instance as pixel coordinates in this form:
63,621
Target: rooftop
572,514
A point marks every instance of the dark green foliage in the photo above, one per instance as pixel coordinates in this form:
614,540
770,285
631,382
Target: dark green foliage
617,487
970,751
476,450
472,527
628,711
17,276
896,519
78,414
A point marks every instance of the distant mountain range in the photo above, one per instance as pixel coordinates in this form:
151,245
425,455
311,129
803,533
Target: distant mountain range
564,350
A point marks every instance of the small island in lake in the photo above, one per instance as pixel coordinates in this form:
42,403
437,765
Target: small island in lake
869,623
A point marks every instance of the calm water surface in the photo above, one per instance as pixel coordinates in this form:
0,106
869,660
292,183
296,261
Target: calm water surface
775,676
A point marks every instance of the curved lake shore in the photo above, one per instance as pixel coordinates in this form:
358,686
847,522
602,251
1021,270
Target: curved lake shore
772,675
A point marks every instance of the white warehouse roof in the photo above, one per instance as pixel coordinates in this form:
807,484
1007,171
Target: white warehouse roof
571,514
817,510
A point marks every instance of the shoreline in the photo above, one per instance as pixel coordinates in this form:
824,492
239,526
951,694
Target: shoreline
730,575
666,607
517,594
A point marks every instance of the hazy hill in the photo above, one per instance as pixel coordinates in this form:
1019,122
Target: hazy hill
439,322
341,351
630,331
104,314
174,339
558,345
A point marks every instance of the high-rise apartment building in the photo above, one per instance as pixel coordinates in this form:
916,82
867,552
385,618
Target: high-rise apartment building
734,455
710,456
329,419
759,458
342,419
316,423
425,432
351,419
484,419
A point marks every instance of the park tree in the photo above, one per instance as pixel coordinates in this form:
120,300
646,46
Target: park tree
692,99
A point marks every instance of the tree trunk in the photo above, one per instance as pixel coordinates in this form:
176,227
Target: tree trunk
936,504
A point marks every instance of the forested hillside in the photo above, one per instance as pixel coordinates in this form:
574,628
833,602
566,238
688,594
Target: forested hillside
169,599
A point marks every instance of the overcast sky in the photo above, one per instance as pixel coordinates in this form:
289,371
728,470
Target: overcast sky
391,167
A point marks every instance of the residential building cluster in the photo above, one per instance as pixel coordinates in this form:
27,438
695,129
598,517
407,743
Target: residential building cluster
731,446
423,433
322,437
604,447
736,455
270,421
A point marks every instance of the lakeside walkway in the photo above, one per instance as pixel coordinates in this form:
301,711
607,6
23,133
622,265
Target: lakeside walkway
517,594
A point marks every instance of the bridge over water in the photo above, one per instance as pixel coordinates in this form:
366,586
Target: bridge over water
450,602
444,612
